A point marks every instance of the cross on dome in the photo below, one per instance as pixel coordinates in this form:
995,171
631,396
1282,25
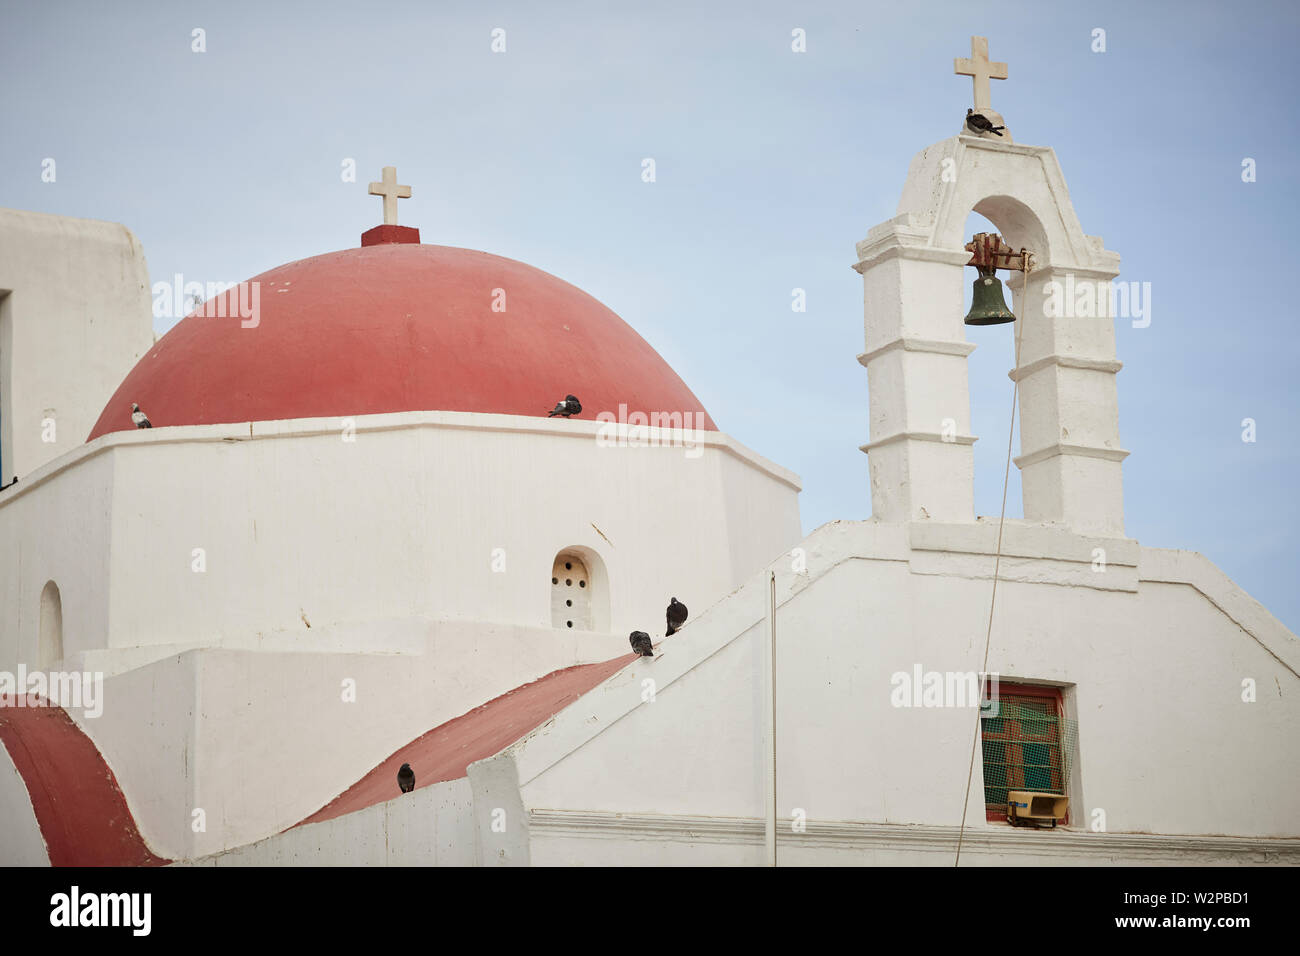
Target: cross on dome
978,67
391,192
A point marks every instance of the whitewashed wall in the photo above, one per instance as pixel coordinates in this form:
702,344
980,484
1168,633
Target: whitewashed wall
261,738
21,843
432,826
1153,653
56,525
146,734
370,560
570,839
75,320
299,527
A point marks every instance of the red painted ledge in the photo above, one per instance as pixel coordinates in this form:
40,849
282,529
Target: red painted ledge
81,811
446,752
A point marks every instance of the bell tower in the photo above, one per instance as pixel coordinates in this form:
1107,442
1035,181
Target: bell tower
913,269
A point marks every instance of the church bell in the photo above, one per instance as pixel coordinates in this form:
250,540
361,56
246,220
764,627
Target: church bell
987,304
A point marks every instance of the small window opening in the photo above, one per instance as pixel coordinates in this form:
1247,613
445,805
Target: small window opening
570,608
1027,745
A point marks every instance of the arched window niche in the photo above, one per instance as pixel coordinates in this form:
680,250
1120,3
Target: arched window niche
49,649
579,591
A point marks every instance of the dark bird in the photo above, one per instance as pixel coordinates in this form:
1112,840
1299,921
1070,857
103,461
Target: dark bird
570,406
980,123
676,616
640,642
406,778
137,416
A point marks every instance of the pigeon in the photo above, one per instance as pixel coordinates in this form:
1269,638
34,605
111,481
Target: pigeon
676,616
570,406
406,778
640,642
137,416
980,123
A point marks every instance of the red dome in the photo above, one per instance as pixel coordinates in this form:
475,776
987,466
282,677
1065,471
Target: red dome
397,328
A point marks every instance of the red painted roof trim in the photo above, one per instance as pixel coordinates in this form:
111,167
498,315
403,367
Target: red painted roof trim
81,811
446,752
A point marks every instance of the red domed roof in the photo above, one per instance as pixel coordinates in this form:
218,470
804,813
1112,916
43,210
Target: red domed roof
395,328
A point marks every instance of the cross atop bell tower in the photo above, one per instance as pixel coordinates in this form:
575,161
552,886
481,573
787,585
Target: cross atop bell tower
978,67
920,455
980,70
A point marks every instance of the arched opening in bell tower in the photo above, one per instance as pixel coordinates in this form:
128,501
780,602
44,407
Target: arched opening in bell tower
988,367
990,394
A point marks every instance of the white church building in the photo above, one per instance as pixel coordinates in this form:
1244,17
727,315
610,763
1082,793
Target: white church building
353,538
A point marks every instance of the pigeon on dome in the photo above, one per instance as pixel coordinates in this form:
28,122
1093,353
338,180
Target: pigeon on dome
138,417
640,642
406,778
570,406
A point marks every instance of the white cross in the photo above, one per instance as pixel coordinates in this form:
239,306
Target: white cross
391,193
981,70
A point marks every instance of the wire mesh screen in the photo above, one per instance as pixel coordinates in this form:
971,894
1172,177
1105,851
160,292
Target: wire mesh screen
1029,745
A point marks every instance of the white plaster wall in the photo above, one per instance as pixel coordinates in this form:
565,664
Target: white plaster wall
695,749
432,826
761,524
550,850
696,841
146,734
369,560
254,782
1165,743
404,522
21,843
259,739
54,525
77,317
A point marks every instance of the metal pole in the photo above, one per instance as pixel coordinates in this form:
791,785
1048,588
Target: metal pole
771,721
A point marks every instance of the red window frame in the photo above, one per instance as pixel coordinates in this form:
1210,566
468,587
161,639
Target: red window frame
1007,690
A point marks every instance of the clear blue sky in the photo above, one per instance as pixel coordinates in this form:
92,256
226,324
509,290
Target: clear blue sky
770,166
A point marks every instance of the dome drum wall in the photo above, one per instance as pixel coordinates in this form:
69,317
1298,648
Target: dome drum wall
405,521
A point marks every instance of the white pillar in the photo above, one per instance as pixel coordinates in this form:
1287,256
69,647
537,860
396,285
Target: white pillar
1070,451
920,452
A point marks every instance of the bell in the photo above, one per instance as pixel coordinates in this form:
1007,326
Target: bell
987,305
